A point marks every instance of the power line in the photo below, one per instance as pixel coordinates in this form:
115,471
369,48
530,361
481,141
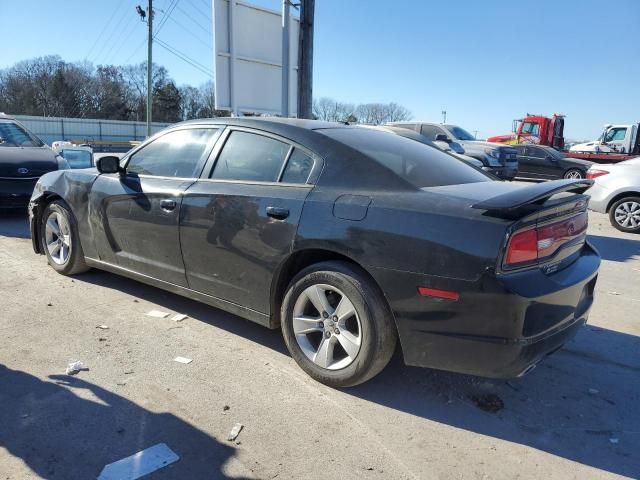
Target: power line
167,14
184,57
103,30
136,50
202,12
129,28
115,31
205,43
207,31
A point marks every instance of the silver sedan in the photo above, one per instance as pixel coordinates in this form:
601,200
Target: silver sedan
616,191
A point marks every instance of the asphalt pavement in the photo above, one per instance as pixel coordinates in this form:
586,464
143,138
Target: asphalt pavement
575,416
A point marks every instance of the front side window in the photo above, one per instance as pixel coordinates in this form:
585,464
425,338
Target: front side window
175,154
430,131
530,128
537,152
460,133
615,134
13,135
298,167
250,157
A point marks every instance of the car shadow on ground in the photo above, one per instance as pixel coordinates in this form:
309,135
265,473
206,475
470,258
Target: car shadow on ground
14,223
616,249
69,428
580,403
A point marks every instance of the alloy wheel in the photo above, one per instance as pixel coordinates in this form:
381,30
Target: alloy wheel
627,214
327,327
57,234
573,175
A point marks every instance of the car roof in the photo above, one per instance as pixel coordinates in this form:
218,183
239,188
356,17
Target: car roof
262,122
4,116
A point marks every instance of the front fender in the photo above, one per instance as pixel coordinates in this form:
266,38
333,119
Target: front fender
71,186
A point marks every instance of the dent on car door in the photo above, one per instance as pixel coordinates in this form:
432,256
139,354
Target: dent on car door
136,215
238,225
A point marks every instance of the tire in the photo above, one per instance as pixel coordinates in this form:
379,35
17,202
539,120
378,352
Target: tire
368,333
60,241
574,173
624,214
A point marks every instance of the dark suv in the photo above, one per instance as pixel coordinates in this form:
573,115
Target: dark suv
497,159
24,158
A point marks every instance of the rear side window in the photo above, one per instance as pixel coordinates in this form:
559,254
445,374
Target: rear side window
175,154
417,163
430,131
250,157
298,167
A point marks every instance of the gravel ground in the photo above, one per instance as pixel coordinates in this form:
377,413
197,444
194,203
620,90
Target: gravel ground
575,416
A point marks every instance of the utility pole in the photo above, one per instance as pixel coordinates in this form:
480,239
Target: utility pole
149,66
149,16
444,116
286,70
305,59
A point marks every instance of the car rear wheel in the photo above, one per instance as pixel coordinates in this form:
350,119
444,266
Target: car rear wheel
574,174
337,325
60,241
625,214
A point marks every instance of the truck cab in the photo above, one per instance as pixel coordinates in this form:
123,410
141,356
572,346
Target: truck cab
537,130
614,139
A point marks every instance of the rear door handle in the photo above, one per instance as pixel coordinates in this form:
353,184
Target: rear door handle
168,205
278,212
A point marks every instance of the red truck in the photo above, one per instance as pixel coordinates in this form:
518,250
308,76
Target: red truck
617,142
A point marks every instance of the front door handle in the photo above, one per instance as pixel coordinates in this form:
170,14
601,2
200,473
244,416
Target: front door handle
278,212
168,205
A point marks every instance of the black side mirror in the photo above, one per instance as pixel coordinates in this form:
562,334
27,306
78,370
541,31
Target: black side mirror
109,164
441,137
551,158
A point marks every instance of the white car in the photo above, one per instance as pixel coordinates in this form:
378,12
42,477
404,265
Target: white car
616,191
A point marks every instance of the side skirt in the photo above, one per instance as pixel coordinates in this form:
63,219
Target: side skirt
244,312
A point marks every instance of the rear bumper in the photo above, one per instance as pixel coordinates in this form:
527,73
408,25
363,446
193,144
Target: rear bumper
599,198
501,326
16,193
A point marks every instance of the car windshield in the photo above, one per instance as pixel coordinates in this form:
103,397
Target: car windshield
77,158
13,135
459,133
418,164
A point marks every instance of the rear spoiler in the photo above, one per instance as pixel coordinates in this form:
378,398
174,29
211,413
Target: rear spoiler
527,199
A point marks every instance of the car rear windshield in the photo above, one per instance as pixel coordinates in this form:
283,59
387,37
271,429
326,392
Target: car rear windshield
13,135
415,162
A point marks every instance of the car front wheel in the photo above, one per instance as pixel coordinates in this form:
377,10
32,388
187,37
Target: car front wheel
625,214
337,325
60,240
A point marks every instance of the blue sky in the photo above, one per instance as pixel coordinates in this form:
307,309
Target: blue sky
485,62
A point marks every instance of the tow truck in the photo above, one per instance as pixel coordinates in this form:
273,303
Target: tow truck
616,144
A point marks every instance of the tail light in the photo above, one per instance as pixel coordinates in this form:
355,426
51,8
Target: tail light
540,242
595,173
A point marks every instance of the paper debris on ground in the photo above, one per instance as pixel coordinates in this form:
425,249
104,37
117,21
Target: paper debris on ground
184,360
178,317
614,440
74,367
103,327
235,431
157,314
593,391
140,464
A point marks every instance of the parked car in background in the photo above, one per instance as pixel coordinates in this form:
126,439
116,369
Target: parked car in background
616,191
77,156
444,146
347,238
23,159
498,159
539,162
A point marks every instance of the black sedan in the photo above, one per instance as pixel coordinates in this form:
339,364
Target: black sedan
538,162
347,238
